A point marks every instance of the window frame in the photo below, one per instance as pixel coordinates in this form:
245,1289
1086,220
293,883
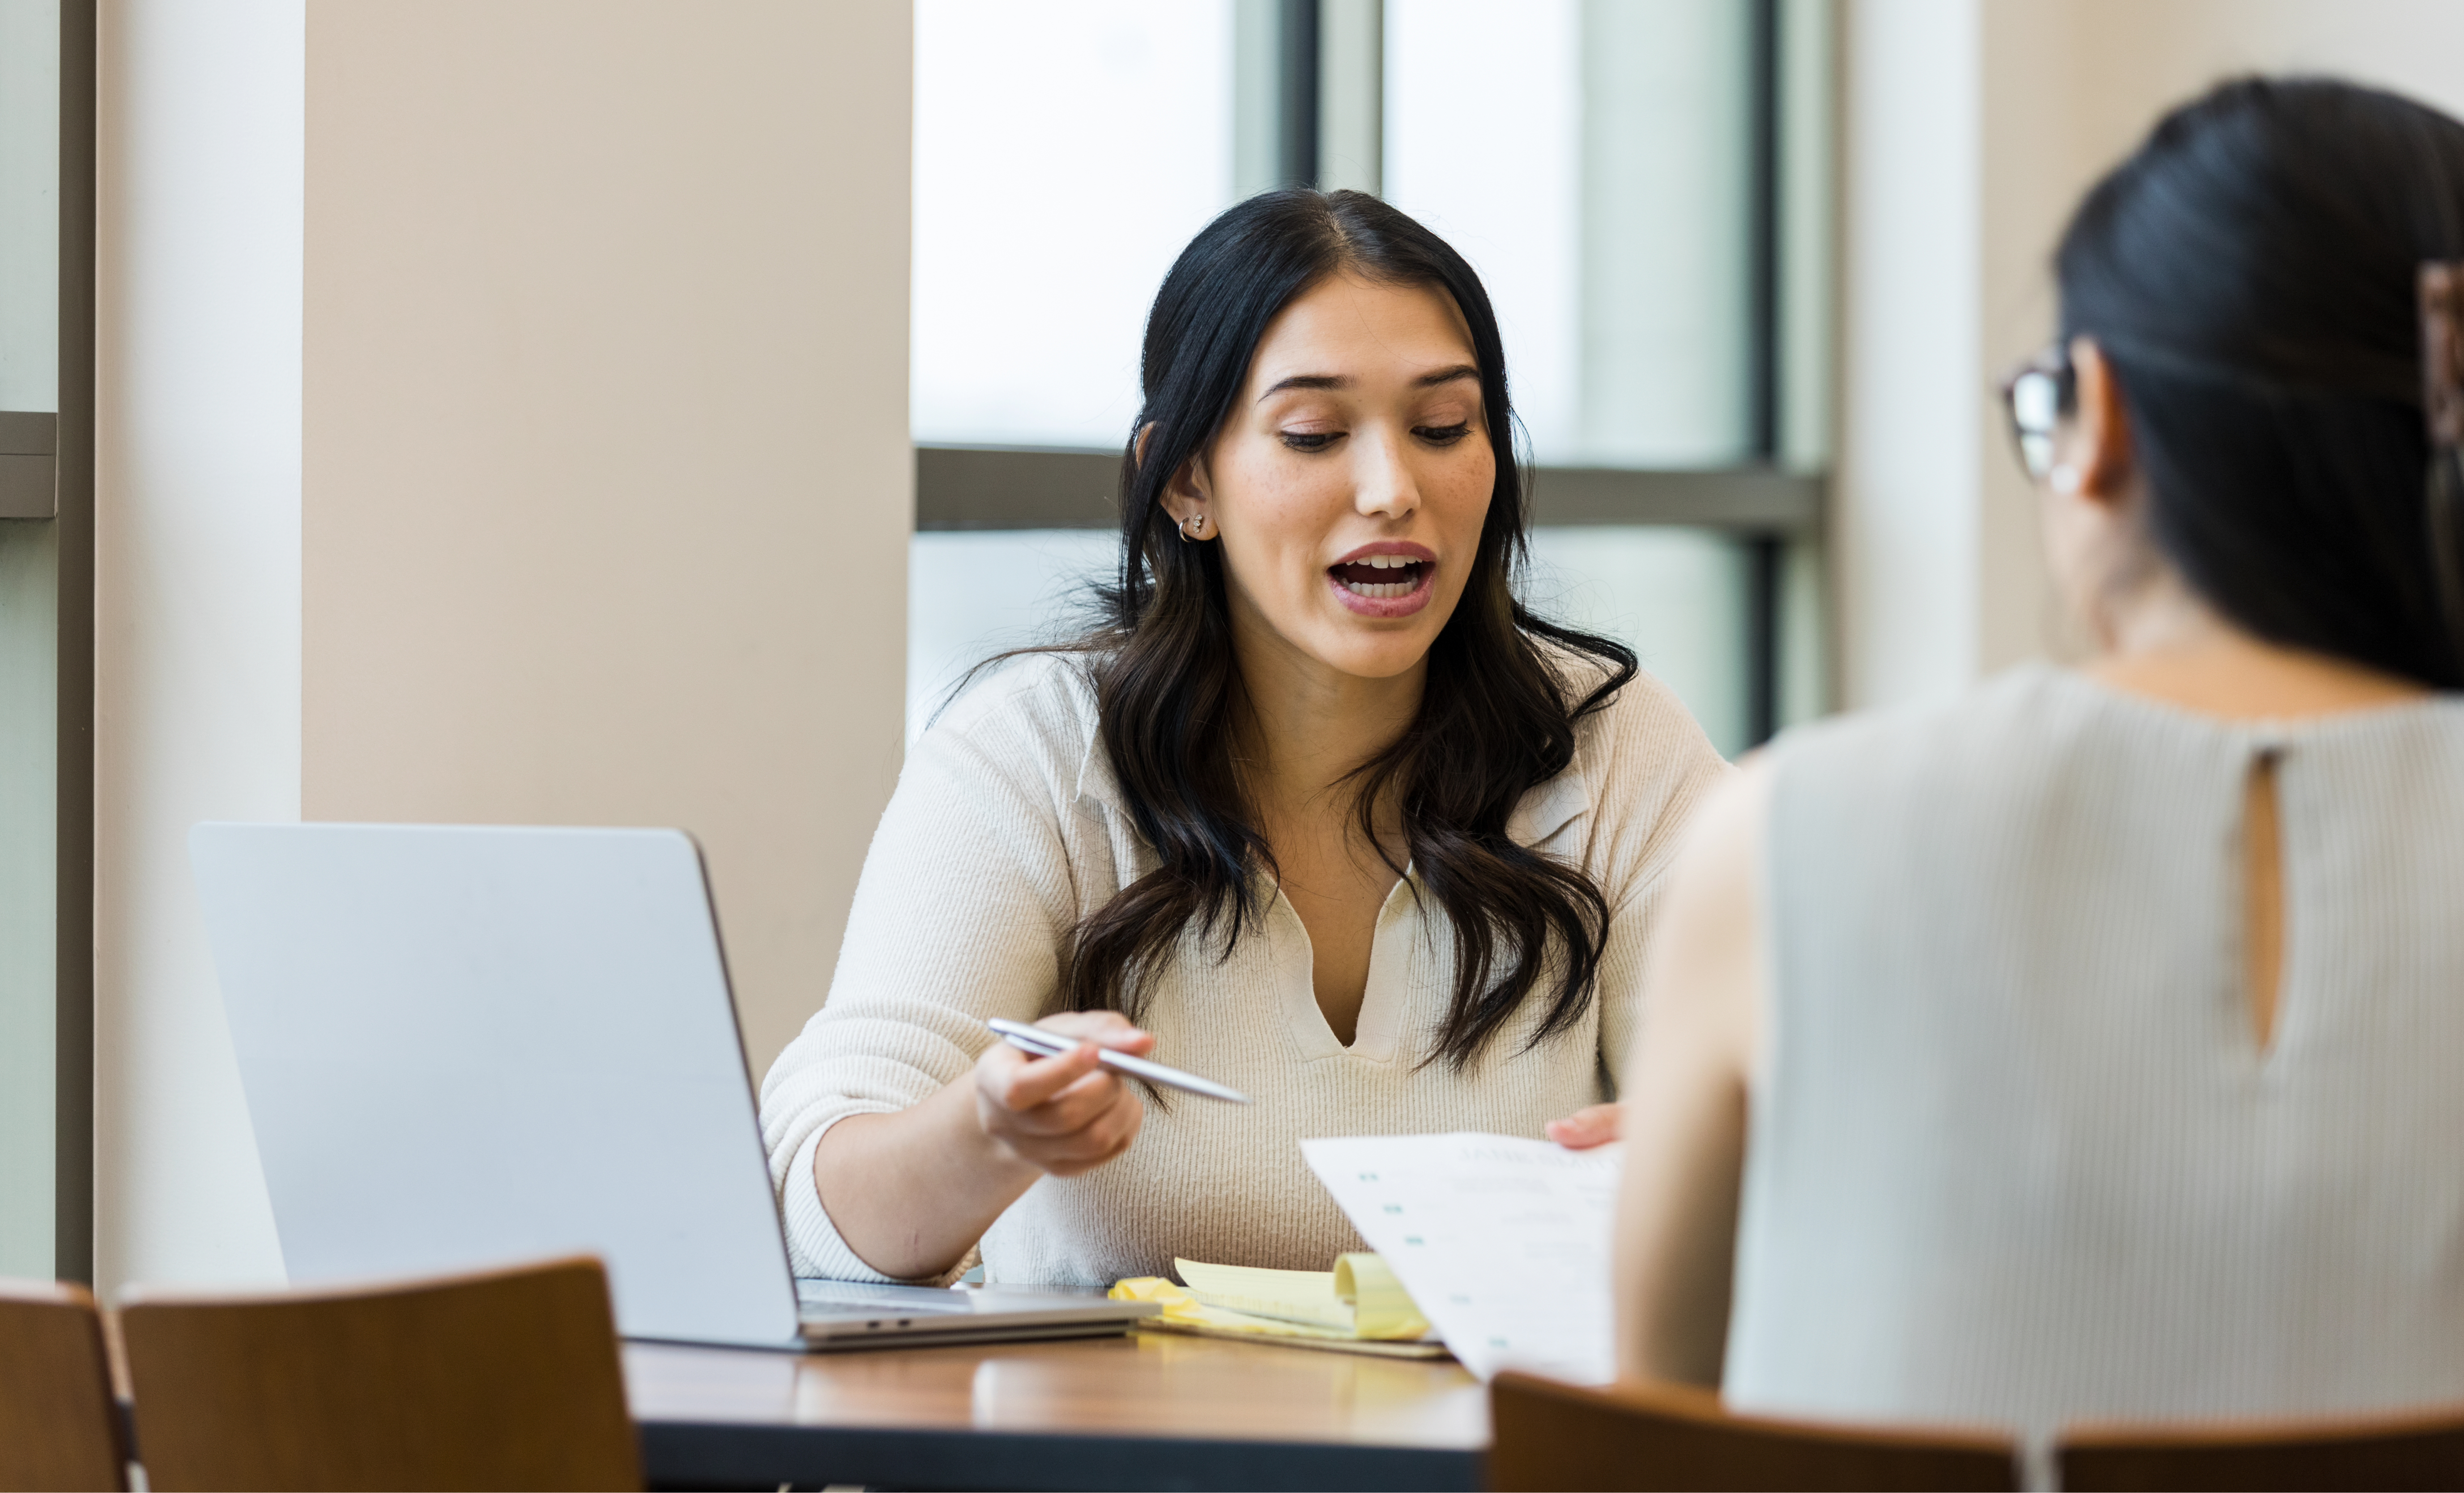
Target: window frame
47,479
1773,504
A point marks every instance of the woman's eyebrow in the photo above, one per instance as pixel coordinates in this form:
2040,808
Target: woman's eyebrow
1336,380
1308,381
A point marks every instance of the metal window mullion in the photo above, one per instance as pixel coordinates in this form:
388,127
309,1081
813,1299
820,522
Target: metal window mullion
1763,556
73,1171
1296,94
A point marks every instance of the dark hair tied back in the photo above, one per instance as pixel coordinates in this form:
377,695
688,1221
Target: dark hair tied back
1497,717
2442,402
2255,276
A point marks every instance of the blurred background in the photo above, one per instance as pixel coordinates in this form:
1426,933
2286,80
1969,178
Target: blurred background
637,411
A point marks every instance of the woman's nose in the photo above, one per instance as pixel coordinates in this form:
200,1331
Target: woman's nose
1382,481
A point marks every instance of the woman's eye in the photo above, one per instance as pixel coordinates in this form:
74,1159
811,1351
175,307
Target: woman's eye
1444,434
1311,440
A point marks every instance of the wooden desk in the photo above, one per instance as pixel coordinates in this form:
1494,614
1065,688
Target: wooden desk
1143,1412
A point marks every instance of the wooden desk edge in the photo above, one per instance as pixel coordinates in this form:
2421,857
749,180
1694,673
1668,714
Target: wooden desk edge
692,1436
736,1454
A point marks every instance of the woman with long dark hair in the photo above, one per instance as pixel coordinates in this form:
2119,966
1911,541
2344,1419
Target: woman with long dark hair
1319,811
2099,1030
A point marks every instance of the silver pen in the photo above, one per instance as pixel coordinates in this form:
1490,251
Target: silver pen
1045,1043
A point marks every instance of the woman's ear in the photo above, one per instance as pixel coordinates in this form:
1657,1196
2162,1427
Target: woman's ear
2097,462
1188,493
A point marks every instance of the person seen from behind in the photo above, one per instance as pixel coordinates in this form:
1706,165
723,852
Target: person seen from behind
2084,1049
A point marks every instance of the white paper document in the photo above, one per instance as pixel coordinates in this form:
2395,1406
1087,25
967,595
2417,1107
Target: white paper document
1502,1242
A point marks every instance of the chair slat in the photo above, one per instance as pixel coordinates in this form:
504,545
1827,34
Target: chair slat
1548,1435
2422,1450
58,1426
507,1379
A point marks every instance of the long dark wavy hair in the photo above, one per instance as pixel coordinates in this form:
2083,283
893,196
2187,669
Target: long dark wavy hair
1497,716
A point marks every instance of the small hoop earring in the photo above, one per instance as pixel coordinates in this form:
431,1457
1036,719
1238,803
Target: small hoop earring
1193,527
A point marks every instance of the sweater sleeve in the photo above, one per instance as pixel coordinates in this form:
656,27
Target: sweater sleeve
961,912
1653,766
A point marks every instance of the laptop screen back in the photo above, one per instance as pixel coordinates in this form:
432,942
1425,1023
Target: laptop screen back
466,1047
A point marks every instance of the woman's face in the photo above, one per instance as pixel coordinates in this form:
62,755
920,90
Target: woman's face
1349,486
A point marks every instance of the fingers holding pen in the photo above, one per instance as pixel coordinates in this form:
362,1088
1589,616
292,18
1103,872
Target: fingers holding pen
1063,1114
1071,1085
1104,1028
1077,1105
1101,1139
1018,1081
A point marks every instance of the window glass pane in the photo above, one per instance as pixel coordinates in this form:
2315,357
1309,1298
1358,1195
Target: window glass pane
29,888
971,593
29,112
1677,597
30,204
1065,152
1484,116
1591,159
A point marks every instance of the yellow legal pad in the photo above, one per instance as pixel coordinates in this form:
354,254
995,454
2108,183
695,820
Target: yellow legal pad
1356,1307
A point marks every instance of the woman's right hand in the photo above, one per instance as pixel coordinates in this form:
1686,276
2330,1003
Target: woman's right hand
1067,1114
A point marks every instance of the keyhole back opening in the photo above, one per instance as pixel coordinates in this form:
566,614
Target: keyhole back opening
2262,899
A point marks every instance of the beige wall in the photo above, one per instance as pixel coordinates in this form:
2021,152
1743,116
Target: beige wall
1946,280
608,485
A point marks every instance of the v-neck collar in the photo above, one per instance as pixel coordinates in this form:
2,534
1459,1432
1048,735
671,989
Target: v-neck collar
1543,813
1377,1031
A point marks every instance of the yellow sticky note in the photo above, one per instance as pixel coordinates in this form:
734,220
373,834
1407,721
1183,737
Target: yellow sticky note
1358,1299
1381,1309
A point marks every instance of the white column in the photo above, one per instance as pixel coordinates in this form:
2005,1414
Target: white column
197,594
1905,524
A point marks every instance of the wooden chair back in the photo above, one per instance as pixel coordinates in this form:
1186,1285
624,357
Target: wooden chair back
2419,1450
1546,1434
503,1379
59,1425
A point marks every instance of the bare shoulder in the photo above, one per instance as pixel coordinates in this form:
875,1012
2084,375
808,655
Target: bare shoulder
1708,966
1721,858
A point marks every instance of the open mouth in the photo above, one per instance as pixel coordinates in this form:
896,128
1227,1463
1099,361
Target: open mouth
1382,578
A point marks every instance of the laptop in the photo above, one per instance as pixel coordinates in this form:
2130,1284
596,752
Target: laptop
468,1045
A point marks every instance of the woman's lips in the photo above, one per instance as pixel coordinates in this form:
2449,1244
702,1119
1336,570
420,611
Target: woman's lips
1383,585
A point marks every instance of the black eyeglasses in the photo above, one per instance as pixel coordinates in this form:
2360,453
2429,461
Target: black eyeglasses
2034,397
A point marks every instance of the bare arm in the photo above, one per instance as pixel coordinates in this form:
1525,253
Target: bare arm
898,1128
1685,1101
1665,773
911,1191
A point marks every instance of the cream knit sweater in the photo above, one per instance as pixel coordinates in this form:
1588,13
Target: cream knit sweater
1005,830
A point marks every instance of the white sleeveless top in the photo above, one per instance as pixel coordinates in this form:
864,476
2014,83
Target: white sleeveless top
2017,1158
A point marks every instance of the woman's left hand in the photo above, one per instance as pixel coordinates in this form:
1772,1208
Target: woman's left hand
1596,1125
